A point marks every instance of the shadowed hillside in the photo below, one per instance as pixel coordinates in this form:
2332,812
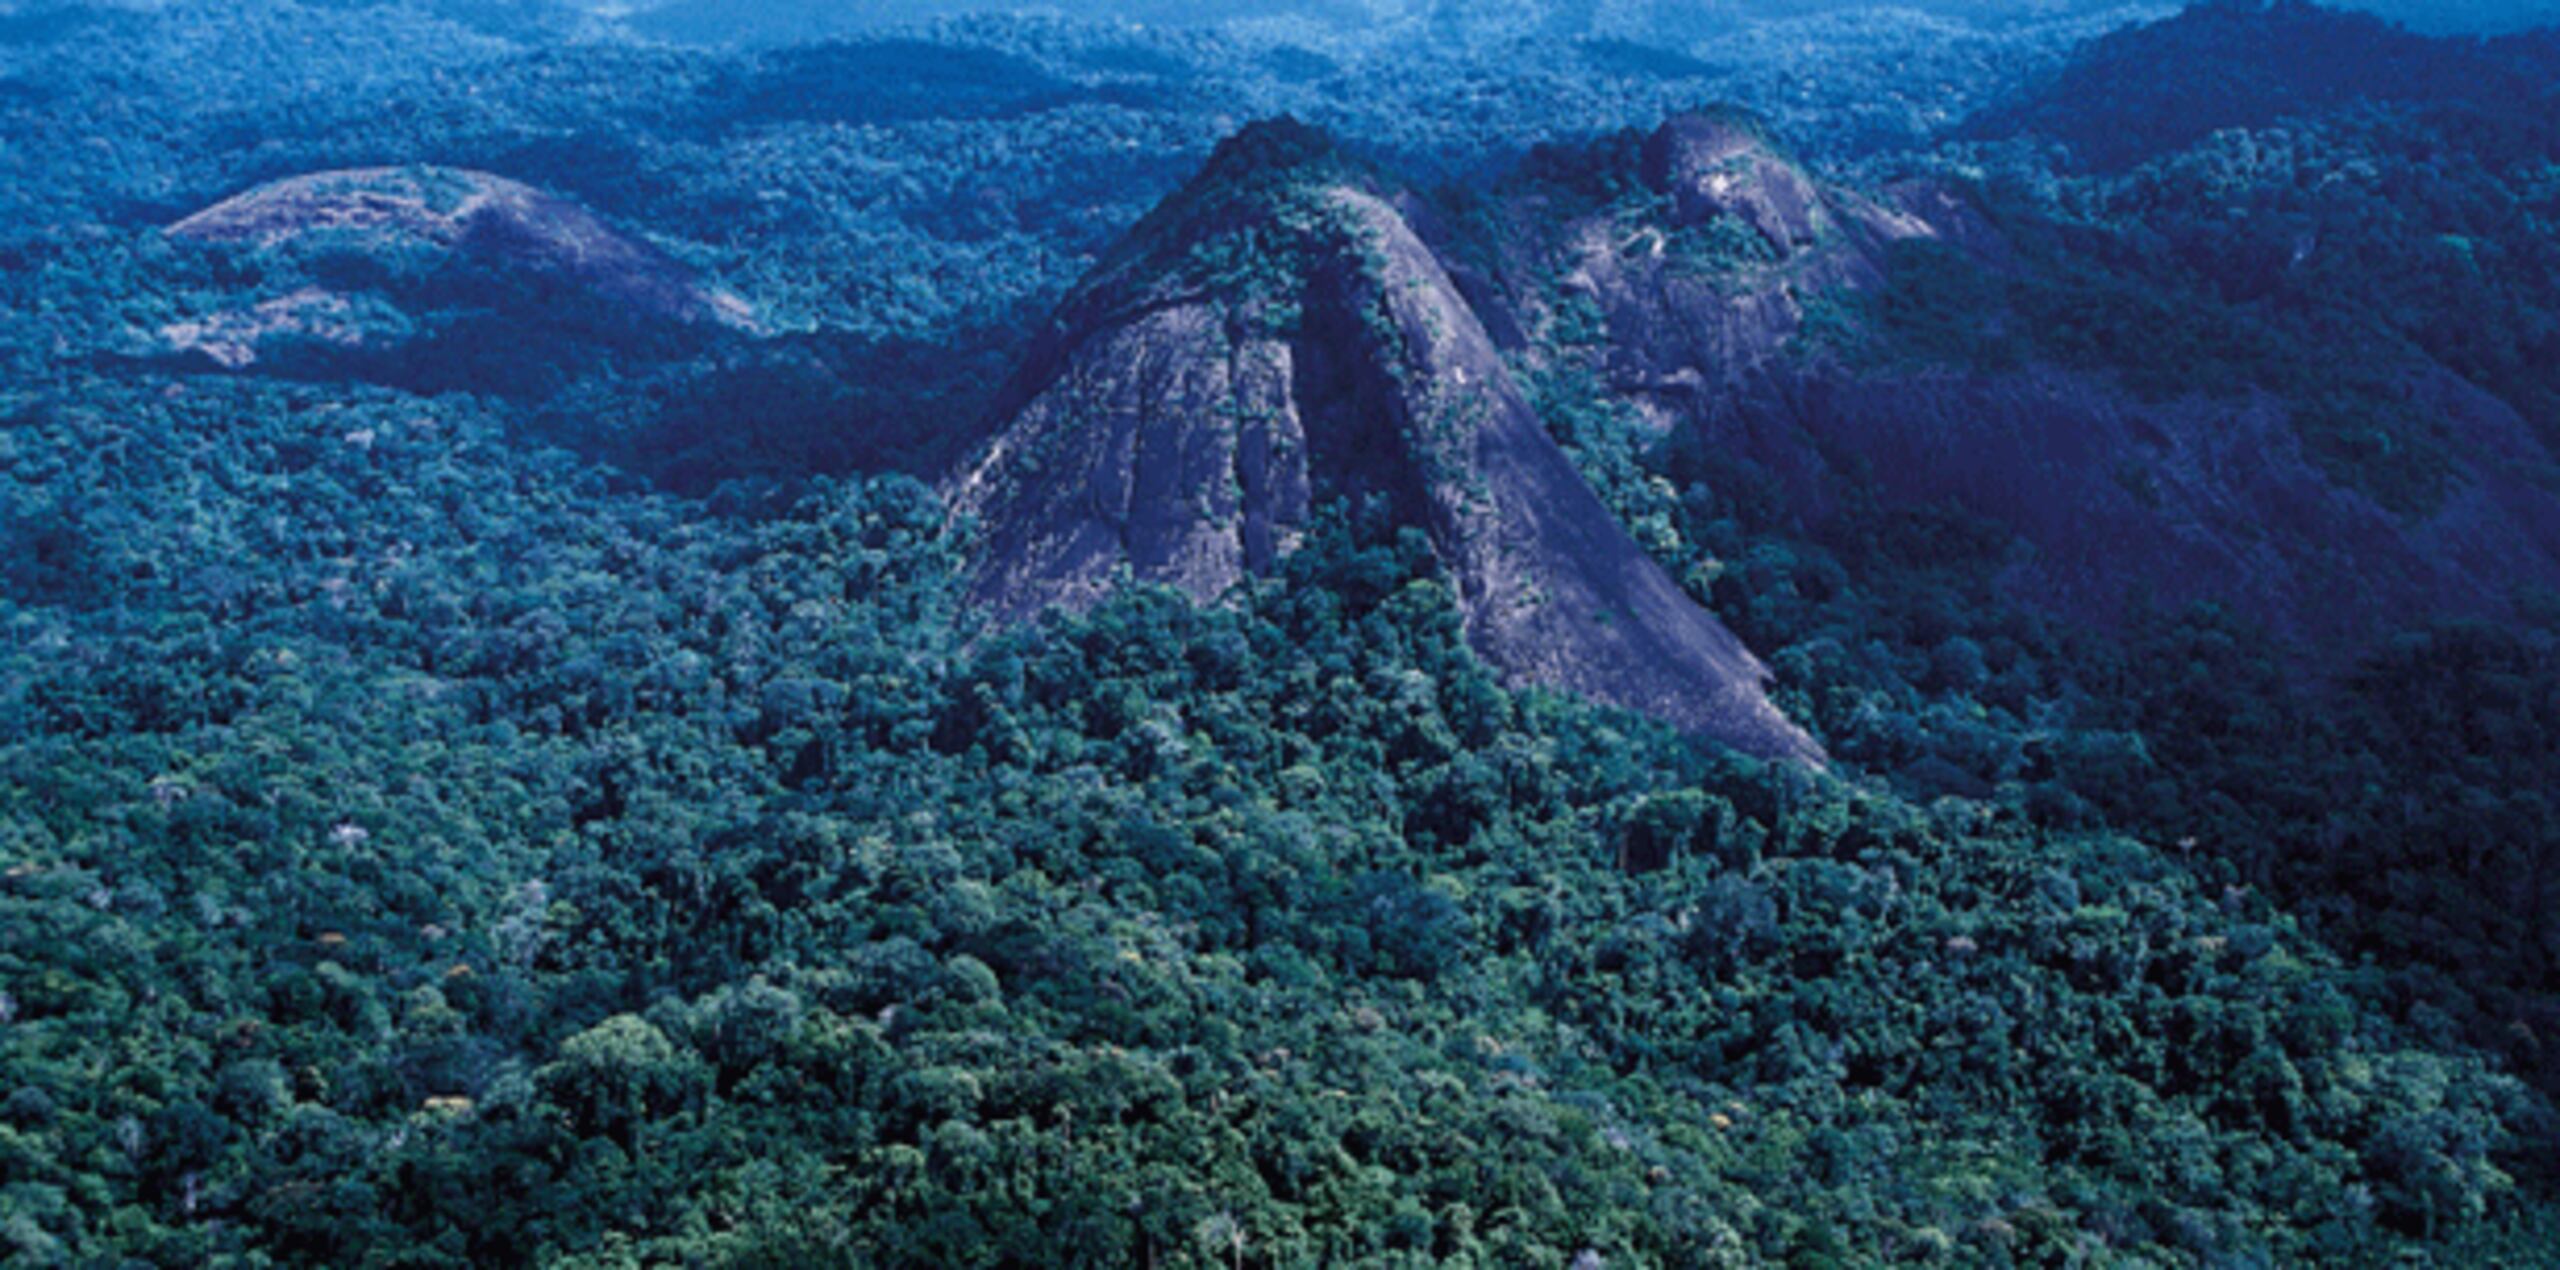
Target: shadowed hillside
1163,690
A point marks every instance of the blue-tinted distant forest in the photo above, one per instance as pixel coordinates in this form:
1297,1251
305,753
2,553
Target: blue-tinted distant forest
1652,21
510,753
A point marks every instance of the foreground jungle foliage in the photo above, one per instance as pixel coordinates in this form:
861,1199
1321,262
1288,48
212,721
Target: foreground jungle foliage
451,817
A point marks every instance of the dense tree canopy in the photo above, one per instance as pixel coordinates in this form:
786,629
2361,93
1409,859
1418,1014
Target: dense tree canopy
567,818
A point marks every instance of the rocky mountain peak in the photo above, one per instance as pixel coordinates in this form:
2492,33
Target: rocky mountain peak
1275,336
1722,162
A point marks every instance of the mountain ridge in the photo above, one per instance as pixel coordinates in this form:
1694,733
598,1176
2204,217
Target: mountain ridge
1279,337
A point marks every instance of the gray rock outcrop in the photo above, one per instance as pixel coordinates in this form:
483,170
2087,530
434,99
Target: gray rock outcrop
1278,335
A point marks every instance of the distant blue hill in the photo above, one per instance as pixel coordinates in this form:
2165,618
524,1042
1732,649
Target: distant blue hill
1657,21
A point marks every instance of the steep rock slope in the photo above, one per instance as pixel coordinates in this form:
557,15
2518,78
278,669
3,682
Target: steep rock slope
1275,335
1741,238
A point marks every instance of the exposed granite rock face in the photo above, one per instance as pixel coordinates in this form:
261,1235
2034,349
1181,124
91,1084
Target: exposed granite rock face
1671,321
1720,163
1245,356
1166,444
231,337
454,213
463,210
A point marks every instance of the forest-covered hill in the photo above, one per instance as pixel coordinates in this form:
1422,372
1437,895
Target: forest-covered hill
507,773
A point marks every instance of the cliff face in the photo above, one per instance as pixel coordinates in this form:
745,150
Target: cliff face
1277,335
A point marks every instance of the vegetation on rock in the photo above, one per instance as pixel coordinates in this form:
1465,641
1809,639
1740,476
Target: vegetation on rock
570,816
